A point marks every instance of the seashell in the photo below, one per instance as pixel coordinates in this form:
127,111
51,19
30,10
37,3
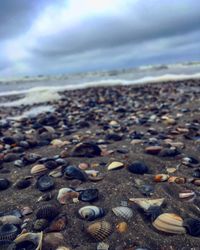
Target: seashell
178,180
86,149
40,224
45,183
51,164
102,246
99,230
29,241
38,169
56,173
10,219
115,165
53,240
22,183
153,212
124,212
8,232
138,167
89,195
4,184
7,245
26,211
189,161
186,194
91,212
48,212
57,225
59,143
122,227
169,223
192,226
45,197
153,150
146,189
72,172
66,194
171,170
161,177
83,166
145,203
196,182
196,173
63,248
95,176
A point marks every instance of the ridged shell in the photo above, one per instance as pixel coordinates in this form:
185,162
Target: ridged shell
10,219
48,212
99,230
115,165
124,212
7,245
8,232
169,223
24,240
145,203
102,246
40,224
38,169
90,212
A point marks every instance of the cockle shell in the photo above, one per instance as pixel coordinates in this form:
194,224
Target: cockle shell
99,230
38,169
10,219
90,212
115,165
124,212
48,212
8,232
24,240
169,223
65,195
161,177
146,203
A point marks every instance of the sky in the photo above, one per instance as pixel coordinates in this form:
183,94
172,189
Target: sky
67,36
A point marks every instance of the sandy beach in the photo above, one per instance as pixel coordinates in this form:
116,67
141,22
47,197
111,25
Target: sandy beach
156,124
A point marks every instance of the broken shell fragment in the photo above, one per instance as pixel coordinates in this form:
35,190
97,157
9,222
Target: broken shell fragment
99,230
146,203
65,195
169,223
102,246
161,177
123,212
186,194
122,227
29,241
91,212
115,165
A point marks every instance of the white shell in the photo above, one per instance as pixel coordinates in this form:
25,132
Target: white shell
34,237
62,248
102,246
147,203
39,168
65,195
124,212
10,219
115,165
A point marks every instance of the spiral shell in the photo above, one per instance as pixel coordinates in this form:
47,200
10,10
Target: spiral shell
169,223
124,212
48,212
90,212
99,230
28,239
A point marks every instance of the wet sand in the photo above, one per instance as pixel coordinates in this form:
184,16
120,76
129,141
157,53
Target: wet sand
143,116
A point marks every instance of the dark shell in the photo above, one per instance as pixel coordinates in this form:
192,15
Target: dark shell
86,149
50,164
169,152
4,183
11,157
147,190
8,232
113,137
45,183
72,172
40,224
7,245
192,226
153,212
196,173
57,225
31,158
138,167
48,212
23,183
26,245
89,195
9,140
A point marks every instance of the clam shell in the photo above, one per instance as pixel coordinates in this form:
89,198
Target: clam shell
7,245
161,177
90,212
99,230
192,226
57,225
38,169
186,194
24,240
122,227
147,203
178,180
169,223
65,195
48,212
102,246
115,165
10,219
124,212
62,248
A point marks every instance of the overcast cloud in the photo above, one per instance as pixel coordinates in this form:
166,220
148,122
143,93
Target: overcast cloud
61,36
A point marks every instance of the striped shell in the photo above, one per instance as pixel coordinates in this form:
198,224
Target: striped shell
29,238
8,232
146,203
99,230
38,169
48,212
124,212
90,212
169,223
